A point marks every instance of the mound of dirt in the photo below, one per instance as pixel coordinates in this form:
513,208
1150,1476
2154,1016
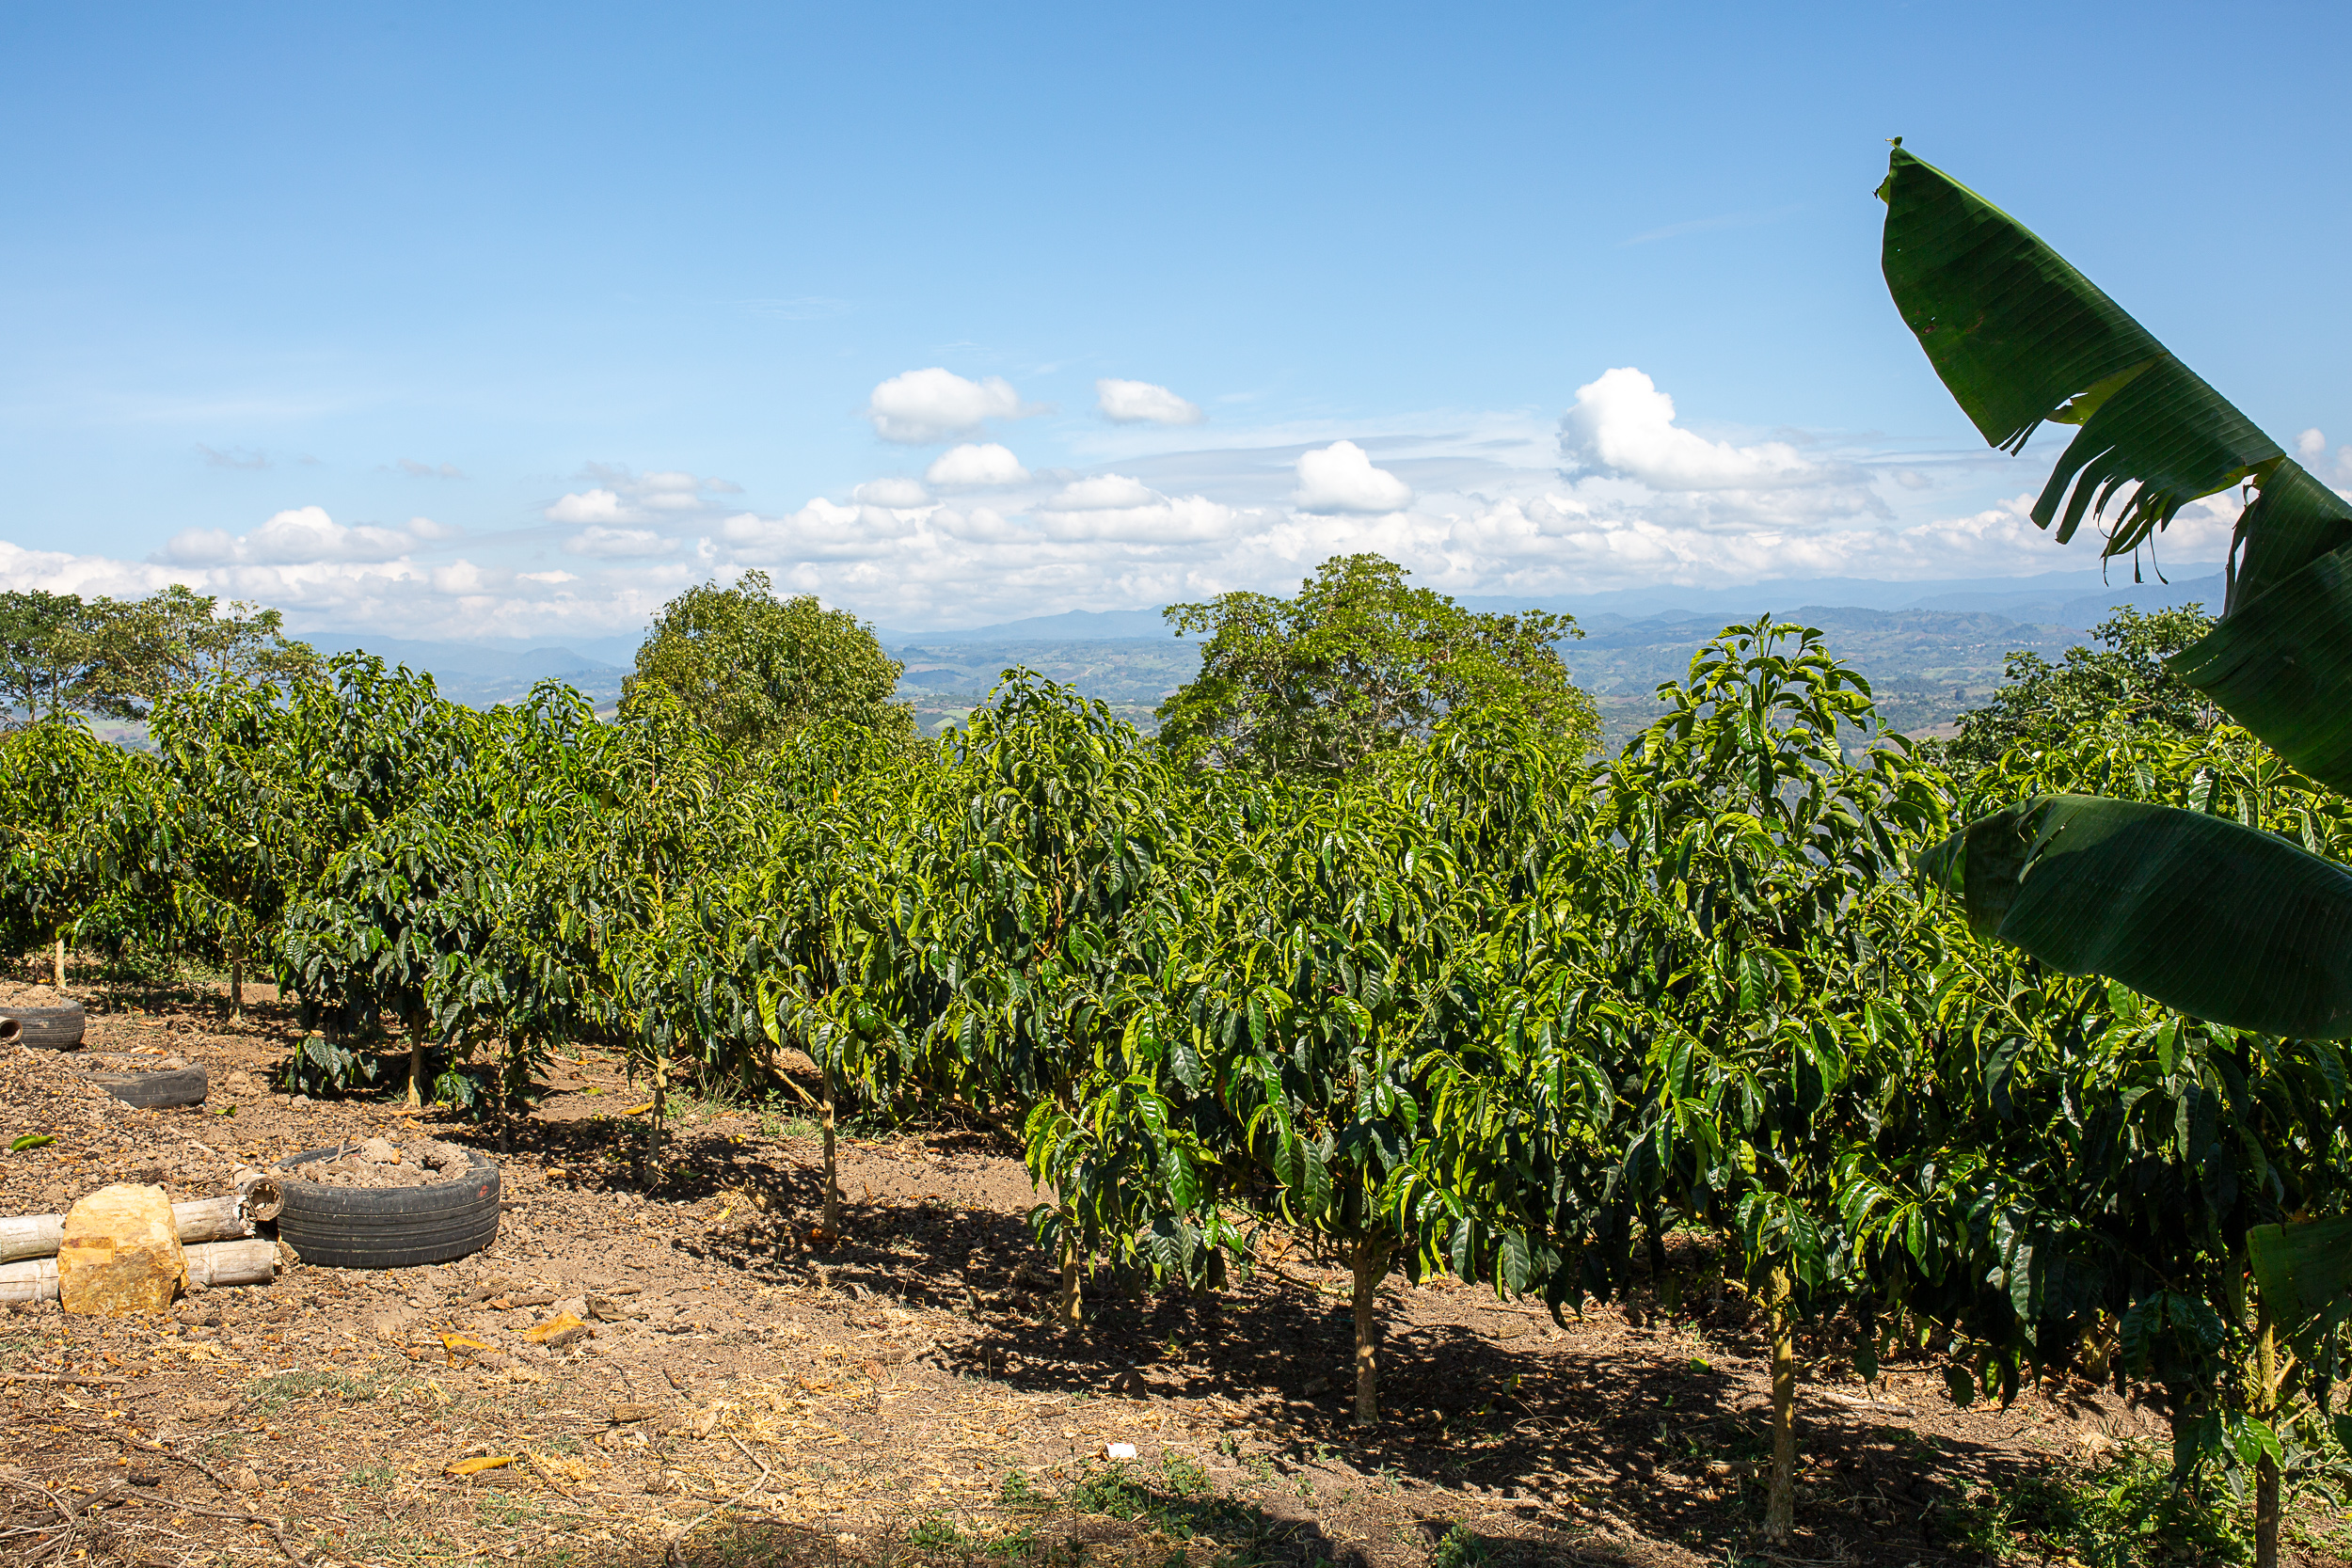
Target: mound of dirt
377,1163
15,995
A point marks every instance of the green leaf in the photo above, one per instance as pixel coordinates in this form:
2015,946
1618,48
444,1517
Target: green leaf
2224,922
2281,665
1961,1384
32,1140
2019,337
2304,1271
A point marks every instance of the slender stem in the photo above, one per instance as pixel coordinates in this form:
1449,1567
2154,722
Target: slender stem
1780,1508
1070,1310
2267,1467
1371,1255
416,1060
833,1183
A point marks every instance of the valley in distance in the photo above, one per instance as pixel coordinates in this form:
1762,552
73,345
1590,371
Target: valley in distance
1929,649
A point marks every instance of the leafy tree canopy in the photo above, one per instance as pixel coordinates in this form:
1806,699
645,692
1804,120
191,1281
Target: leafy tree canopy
117,657
755,669
1356,665
2041,704
178,638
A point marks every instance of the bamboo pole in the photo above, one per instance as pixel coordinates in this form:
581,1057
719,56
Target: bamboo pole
210,1266
229,1217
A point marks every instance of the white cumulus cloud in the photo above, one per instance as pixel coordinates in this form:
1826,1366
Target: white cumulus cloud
1340,478
2311,443
586,506
298,535
621,494
916,408
1102,493
893,492
969,465
619,543
1143,402
1622,424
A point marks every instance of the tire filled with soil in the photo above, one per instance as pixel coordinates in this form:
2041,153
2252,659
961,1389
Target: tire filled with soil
48,1028
165,1087
350,1207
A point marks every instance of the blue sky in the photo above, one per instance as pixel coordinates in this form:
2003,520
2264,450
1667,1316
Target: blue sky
508,321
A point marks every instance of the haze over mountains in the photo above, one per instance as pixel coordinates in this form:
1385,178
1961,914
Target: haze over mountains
1929,648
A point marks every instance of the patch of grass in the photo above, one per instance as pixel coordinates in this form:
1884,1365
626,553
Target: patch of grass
2122,1512
276,1392
1459,1549
374,1477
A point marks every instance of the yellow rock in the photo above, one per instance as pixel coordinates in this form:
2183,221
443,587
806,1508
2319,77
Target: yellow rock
120,1253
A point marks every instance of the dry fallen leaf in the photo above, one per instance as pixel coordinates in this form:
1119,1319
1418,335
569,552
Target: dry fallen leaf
455,1342
475,1467
637,1110
552,1327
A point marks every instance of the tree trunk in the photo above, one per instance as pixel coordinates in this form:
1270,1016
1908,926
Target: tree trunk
2267,1467
833,1183
236,985
653,1127
1069,1310
1372,1255
1780,1507
415,1063
58,975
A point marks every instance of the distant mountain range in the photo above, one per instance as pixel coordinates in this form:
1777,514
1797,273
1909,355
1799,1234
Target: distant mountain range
1929,648
480,675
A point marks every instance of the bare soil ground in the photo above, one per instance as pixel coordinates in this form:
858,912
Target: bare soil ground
750,1395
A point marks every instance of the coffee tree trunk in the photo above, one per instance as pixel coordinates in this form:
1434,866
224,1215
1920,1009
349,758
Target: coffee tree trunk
416,1062
1069,1310
60,970
1371,1260
653,1124
1780,1507
833,1181
236,985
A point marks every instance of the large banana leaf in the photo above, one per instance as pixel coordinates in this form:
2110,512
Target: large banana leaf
2304,1270
2020,338
2222,921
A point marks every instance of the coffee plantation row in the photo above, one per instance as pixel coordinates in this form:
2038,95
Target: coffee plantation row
1478,1005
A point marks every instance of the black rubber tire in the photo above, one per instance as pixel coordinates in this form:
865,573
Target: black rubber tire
159,1090
49,1028
388,1227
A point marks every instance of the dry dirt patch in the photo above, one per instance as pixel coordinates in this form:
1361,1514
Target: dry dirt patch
736,1393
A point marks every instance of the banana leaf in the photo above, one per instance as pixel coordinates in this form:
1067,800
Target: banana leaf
2304,1271
2222,921
2020,337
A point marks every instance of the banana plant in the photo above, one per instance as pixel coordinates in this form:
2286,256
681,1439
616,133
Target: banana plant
2225,921
2195,909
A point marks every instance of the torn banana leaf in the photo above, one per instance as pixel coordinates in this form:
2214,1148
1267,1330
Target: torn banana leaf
2019,337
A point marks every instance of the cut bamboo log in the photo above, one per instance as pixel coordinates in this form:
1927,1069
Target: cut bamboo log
227,1218
213,1264
30,1236
35,1279
210,1266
